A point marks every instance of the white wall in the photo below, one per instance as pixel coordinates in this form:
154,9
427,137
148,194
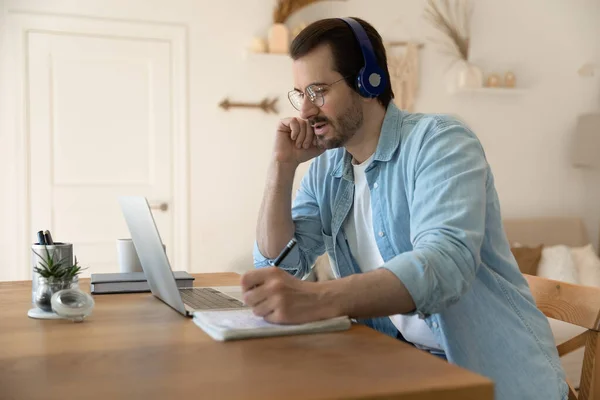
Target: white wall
526,136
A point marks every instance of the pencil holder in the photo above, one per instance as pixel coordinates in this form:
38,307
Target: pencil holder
41,253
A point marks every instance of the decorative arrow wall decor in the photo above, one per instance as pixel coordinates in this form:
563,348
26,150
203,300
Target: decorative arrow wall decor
266,105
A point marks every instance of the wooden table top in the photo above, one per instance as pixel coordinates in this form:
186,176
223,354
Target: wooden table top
135,346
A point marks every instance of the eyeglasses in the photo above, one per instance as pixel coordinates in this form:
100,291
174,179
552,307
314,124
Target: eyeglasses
314,92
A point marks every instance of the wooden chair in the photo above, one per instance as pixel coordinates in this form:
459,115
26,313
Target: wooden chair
578,305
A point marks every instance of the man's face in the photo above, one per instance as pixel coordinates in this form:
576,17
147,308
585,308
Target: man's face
340,116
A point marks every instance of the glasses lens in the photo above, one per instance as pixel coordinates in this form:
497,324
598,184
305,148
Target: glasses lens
315,95
296,99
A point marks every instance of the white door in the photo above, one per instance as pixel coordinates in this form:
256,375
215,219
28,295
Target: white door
100,126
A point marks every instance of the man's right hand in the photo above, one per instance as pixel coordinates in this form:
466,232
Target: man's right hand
295,142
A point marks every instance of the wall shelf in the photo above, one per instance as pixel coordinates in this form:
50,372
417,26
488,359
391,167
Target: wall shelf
489,90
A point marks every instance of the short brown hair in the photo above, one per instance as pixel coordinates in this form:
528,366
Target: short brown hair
347,55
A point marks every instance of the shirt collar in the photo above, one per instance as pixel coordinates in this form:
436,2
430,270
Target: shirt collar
389,140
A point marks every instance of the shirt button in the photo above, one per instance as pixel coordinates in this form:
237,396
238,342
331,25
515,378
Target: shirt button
381,234
375,185
434,325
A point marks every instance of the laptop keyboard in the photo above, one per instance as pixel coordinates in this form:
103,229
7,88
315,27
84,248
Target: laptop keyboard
208,298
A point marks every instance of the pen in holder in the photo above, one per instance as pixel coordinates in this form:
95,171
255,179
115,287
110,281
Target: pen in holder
40,253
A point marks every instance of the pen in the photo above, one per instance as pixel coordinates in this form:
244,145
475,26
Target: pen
48,237
41,239
288,247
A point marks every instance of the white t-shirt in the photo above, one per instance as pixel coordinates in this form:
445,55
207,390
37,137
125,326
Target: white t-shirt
361,239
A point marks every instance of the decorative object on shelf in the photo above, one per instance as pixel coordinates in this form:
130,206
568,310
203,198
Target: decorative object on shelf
510,80
259,45
279,34
285,8
278,38
266,105
493,81
404,74
470,76
453,22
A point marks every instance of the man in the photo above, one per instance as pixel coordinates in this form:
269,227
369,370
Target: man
405,206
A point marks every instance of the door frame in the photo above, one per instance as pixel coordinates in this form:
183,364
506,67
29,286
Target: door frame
20,24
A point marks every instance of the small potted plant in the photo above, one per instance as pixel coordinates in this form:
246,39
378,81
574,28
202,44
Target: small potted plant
54,275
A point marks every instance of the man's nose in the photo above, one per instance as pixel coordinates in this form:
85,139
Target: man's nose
308,109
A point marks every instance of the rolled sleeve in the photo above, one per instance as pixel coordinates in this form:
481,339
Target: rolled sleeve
447,217
308,227
291,263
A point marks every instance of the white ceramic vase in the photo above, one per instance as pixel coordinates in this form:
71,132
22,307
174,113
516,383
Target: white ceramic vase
470,76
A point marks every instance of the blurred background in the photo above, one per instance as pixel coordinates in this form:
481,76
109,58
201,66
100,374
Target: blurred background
178,101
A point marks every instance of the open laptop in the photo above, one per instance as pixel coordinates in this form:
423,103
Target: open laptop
157,268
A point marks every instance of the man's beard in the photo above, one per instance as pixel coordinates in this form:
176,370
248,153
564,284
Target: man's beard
343,128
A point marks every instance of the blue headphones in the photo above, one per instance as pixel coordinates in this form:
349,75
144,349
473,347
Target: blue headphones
371,80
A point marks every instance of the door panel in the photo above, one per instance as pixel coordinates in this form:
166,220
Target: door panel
100,126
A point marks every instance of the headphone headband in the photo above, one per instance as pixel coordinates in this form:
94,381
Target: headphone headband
371,80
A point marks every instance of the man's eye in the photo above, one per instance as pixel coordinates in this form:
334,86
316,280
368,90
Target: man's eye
319,89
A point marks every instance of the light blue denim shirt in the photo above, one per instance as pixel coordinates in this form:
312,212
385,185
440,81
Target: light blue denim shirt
438,226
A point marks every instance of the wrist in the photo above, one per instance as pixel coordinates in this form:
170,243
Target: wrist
332,301
285,167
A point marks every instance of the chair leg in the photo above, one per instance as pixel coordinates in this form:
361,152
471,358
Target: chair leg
588,371
595,384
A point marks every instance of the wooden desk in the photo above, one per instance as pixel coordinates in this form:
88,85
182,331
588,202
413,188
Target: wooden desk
134,346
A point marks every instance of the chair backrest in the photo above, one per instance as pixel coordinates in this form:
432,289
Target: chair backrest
578,305
549,231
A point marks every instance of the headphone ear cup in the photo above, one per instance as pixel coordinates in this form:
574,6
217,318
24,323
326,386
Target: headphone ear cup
359,84
373,81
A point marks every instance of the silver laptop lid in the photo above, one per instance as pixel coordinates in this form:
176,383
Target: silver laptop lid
148,246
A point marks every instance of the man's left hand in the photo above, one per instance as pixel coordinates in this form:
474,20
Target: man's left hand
280,298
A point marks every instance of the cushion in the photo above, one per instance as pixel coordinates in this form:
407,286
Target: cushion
587,265
528,258
556,263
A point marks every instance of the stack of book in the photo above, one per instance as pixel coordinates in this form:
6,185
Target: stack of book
131,282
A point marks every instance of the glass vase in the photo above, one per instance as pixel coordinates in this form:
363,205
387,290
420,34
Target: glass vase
48,286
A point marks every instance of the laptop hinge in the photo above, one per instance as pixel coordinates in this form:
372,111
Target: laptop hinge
189,311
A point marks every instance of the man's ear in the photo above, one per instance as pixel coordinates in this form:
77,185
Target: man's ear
367,100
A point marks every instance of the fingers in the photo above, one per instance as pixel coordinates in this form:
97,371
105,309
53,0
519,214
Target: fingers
284,124
300,131
256,277
298,128
294,129
264,308
253,278
256,295
302,135
309,137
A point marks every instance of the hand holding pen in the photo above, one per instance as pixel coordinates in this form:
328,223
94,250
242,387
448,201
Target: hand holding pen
281,298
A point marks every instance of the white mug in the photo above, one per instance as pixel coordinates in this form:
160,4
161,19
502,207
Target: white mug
127,256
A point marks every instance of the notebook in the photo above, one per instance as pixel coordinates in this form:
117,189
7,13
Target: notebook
131,282
243,324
